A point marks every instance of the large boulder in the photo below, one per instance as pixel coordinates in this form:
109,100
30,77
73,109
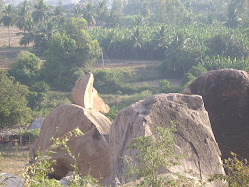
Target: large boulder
194,137
85,95
90,148
226,97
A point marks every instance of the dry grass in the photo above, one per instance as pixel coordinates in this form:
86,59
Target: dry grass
14,39
13,160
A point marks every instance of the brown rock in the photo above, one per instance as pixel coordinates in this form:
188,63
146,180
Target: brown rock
92,146
226,97
194,137
83,94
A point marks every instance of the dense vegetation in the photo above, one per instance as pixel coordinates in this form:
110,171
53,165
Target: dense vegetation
188,37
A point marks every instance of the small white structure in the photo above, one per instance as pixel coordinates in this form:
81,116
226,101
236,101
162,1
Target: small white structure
36,124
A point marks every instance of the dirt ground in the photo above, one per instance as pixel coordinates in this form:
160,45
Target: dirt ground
14,39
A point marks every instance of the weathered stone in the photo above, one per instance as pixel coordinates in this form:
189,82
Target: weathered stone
91,148
9,180
194,137
83,94
226,97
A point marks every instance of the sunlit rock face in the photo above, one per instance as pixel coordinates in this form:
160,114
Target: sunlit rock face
193,137
85,95
90,147
226,97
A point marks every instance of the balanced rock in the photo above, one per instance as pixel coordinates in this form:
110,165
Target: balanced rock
90,147
226,97
83,94
193,137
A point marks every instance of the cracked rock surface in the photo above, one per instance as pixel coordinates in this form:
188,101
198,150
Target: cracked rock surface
226,96
90,147
194,137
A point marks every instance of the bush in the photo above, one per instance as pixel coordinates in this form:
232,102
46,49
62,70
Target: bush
112,81
180,61
13,103
33,133
112,113
37,95
237,172
192,74
165,86
224,45
25,68
155,152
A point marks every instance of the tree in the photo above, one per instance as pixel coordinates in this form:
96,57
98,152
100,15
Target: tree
8,18
28,36
13,103
25,68
41,12
23,15
101,10
89,14
69,55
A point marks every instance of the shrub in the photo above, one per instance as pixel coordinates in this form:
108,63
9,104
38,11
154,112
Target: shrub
225,45
180,61
112,81
13,103
25,68
154,152
165,86
37,95
192,74
112,113
237,172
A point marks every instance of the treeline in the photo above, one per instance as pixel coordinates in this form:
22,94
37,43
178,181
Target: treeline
189,37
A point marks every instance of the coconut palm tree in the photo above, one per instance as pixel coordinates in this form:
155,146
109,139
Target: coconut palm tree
24,13
101,10
8,18
30,32
41,12
89,14
77,11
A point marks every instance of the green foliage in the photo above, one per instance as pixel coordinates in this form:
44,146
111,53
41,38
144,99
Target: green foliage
192,74
13,103
68,57
38,93
36,174
154,152
227,46
218,62
25,68
165,86
112,113
112,81
33,133
237,172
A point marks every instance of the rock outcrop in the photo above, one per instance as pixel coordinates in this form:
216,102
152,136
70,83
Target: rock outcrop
9,180
85,95
90,147
194,137
226,97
